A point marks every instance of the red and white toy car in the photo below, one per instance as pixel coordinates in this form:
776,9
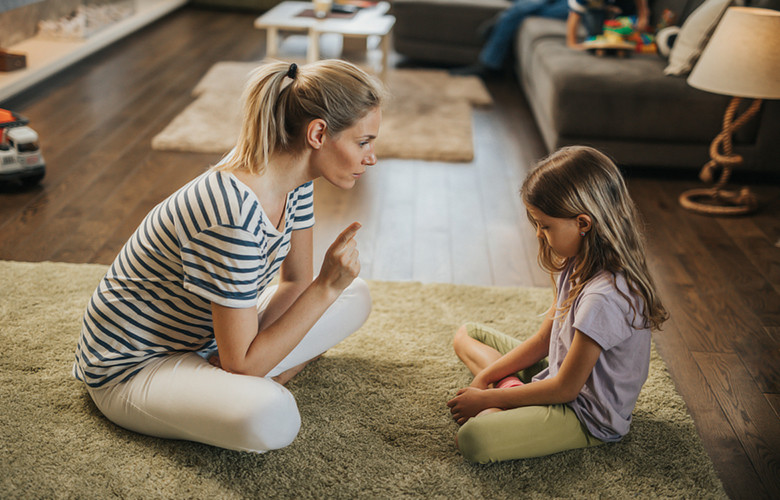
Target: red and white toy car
20,154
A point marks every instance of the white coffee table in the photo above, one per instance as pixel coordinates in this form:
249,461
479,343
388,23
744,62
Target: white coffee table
367,22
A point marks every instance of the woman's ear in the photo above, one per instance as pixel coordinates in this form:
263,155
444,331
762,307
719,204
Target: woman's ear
584,223
315,133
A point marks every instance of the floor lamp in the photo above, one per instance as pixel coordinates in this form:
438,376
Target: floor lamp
742,60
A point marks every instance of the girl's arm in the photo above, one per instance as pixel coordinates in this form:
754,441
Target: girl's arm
250,348
521,357
562,388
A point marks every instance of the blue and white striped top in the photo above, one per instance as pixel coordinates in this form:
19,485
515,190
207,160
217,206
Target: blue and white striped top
208,242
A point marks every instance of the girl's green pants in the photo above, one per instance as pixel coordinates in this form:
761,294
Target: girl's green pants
528,431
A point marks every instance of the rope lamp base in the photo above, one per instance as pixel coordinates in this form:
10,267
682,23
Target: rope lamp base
716,200
709,201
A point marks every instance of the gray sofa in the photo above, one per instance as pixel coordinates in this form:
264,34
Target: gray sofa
626,107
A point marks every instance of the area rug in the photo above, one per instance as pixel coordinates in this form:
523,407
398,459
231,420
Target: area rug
375,423
427,115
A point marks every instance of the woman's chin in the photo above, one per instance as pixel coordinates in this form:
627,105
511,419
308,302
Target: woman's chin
348,183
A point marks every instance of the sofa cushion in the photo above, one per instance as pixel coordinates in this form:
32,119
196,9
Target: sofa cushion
585,96
694,35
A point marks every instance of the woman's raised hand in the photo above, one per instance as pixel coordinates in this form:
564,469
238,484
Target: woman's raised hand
341,265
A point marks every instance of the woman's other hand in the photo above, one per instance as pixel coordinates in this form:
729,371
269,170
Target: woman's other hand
215,361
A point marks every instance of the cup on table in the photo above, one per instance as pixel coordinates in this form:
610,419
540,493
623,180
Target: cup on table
322,8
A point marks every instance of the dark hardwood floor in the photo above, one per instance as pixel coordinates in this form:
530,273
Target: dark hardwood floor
426,221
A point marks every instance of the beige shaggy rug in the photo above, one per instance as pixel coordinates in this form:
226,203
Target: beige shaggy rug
427,117
375,423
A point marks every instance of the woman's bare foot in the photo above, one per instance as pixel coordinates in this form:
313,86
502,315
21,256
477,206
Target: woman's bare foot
286,376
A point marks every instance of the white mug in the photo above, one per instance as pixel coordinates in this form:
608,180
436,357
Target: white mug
322,7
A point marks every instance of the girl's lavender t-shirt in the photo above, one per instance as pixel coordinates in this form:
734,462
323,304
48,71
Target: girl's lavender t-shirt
605,403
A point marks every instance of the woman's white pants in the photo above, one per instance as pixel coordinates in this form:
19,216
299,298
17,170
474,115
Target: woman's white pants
182,396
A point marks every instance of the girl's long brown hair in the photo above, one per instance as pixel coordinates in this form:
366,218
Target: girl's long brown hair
581,180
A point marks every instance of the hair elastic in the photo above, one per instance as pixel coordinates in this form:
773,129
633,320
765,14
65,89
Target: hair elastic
293,71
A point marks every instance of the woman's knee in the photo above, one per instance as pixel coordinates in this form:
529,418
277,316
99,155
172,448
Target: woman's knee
360,298
269,420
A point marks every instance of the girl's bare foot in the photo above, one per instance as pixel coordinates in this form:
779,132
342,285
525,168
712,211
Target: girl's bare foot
488,411
286,376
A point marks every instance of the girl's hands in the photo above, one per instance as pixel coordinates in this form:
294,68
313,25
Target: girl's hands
468,403
479,382
341,265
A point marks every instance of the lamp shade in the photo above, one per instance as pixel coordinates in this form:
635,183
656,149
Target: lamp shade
742,58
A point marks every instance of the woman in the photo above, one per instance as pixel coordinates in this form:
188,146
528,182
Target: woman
195,275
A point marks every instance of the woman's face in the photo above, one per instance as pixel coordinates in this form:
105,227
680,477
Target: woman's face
562,235
344,157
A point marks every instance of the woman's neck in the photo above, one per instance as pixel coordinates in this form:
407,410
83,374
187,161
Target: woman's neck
283,173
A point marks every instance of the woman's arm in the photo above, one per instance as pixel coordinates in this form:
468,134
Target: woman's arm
562,388
521,357
246,348
295,276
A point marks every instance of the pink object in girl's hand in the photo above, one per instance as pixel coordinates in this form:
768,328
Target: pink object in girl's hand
510,381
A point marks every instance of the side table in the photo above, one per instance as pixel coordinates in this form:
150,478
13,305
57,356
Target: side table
366,22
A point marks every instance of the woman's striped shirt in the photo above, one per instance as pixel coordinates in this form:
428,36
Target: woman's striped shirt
208,242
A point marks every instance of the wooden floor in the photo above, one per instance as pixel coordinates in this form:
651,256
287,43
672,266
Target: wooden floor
432,222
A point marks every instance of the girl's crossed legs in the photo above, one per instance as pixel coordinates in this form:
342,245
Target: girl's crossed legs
182,396
525,432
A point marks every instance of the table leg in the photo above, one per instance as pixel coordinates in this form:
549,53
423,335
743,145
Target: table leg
271,42
313,53
385,43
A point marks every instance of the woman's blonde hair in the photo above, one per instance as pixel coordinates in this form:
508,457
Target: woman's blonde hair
581,180
281,99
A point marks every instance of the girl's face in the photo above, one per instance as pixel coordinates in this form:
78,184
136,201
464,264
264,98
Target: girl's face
344,158
562,235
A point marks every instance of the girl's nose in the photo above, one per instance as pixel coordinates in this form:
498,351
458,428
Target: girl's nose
370,160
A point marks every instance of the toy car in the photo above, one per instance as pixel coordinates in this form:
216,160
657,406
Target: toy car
20,154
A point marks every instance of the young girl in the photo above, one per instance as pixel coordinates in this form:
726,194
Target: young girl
596,334
195,275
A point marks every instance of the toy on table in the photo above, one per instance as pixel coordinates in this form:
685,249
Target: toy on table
20,155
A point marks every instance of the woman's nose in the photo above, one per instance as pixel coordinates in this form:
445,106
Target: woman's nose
370,160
